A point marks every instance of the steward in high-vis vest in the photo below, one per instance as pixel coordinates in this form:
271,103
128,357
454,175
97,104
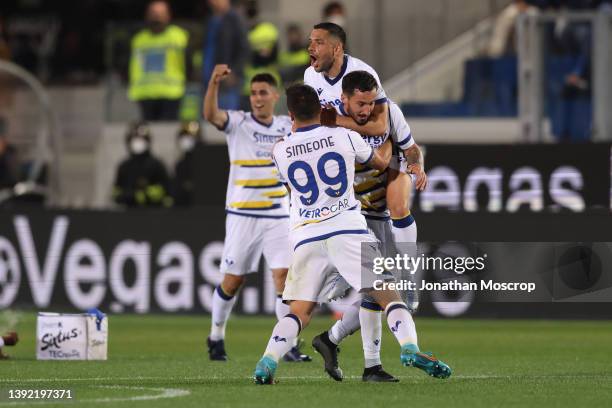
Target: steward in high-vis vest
295,59
158,65
263,39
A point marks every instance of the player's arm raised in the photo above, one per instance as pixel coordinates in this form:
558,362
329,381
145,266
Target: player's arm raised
376,125
212,113
416,165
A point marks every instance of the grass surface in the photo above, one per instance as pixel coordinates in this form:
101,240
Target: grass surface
495,363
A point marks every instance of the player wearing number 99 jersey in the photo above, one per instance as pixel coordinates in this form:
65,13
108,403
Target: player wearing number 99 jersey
327,232
318,165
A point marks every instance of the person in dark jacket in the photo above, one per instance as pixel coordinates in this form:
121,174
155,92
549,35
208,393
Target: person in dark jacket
225,42
189,141
142,179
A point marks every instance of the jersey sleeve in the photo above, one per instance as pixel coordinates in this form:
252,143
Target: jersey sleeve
234,118
401,133
281,175
363,151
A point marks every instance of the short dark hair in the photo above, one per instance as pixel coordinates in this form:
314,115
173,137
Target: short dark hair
334,30
265,77
361,81
303,102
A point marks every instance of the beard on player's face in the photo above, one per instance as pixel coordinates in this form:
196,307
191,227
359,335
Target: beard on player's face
359,106
322,51
361,118
322,62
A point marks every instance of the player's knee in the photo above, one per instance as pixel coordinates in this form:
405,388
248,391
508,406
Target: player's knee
232,283
398,207
397,204
383,297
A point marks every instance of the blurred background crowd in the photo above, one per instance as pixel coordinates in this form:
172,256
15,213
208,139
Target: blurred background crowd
114,68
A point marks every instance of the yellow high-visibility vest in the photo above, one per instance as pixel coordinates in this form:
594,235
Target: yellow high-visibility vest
294,58
157,64
262,36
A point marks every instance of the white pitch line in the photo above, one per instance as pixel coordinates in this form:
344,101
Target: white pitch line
201,378
164,393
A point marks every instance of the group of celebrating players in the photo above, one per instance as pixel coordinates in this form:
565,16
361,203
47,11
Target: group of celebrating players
347,160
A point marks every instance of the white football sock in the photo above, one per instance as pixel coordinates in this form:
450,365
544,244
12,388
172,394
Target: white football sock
371,332
1,342
404,229
401,324
281,309
346,326
222,305
283,336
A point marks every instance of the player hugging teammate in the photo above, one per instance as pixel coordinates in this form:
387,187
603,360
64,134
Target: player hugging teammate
351,95
330,245
348,163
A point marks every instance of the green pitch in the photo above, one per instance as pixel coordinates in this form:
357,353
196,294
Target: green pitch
161,361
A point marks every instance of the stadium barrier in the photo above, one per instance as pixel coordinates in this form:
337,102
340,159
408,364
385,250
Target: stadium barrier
489,178
167,261
511,178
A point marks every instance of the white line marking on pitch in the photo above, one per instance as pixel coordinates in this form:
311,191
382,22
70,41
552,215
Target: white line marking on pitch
164,393
200,378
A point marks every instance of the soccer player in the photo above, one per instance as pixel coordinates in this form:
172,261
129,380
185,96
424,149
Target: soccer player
257,208
359,91
328,230
329,64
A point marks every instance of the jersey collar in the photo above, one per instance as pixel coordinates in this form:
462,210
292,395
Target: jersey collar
340,75
307,128
261,123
